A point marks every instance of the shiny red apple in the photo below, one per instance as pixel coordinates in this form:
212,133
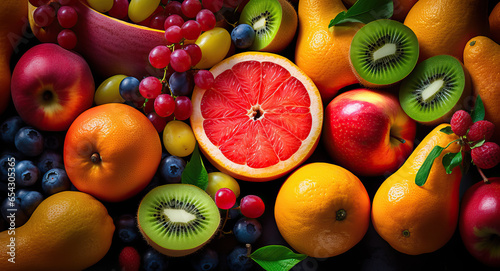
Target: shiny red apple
367,132
479,221
51,86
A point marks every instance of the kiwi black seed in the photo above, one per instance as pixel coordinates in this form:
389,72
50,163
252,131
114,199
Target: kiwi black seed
178,219
383,52
435,89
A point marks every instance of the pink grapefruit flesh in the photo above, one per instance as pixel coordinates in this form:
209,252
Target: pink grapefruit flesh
261,118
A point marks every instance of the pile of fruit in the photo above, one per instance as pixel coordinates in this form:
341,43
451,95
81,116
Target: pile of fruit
249,134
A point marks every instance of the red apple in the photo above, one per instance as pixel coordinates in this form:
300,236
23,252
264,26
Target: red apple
367,132
479,221
51,86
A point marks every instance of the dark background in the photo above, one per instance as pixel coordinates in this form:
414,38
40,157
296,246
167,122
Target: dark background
371,253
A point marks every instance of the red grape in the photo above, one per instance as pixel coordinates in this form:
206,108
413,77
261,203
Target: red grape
119,9
158,122
173,19
206,19
212,5
66,2
183,108
190,8
67,16
149,106
67,39
158,21
194,52
203,79
44,15
191,30
164,105
150,87
173,7
180,60
159,57
38,3
173,34
225,198
252,206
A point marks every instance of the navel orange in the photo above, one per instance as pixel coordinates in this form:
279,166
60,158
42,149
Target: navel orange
322,210
261,118
111,151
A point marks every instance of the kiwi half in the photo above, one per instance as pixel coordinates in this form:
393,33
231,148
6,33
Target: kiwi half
177,219
435,89
383,52
274,21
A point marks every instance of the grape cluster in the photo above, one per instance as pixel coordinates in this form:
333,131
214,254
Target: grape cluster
46,14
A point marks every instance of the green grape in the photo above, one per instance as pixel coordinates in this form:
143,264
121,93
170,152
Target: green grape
140,10
214,45
108,91
101,5
178,138
218,180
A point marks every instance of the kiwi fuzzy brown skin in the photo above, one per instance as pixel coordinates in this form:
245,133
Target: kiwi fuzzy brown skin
463,103
286,31
175,252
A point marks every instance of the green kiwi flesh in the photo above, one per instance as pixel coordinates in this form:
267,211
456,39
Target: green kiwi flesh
434,89
265,18
177,219
384,52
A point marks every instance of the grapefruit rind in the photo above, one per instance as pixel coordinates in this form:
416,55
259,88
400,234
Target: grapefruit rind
243,171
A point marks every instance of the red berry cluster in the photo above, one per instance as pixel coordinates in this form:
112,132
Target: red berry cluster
46,14
251,206
476,136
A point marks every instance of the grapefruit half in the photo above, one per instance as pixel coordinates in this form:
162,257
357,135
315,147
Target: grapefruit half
261,118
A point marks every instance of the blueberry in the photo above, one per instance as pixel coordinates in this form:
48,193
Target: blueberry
234,212
12,212
49,159
171,168
29,141
154,260
55,180
238,260
9,129
247,230
6,161
53,141
26,173
181,83
129,89
206,260
126,228
243,36
29,200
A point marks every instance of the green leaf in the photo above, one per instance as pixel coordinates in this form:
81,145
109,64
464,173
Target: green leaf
423,171
195,173
365,11
447,130
276,257
451,160
478,112
478,144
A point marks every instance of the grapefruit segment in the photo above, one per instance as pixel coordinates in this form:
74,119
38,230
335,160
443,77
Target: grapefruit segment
261,118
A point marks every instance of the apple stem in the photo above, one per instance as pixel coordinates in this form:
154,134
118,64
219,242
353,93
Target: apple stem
95,158
485,179
399,139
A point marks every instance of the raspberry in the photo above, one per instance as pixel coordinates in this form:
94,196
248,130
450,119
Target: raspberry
460,122
480,130
129,259
486,156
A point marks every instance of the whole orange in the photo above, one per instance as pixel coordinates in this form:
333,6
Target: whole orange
111,151
322,210
445,26
494,20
